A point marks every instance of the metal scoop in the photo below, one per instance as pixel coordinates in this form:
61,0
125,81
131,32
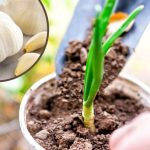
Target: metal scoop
81,21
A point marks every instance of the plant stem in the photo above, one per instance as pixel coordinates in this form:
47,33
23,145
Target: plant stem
105,16
88,116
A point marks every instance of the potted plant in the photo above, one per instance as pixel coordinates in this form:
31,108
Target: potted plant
59,113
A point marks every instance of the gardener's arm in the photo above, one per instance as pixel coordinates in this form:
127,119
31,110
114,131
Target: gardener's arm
134,136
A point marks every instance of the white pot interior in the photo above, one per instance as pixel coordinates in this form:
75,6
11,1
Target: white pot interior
132,84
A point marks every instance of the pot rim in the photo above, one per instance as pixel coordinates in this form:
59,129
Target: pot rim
22,118
22,111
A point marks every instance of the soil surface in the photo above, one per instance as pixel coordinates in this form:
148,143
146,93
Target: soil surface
54,109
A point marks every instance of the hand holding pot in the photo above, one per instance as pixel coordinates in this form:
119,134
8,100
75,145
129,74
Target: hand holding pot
134,136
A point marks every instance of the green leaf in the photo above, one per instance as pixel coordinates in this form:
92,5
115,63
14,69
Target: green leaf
94,48
105,15
119,32
88,75
94,67
95,61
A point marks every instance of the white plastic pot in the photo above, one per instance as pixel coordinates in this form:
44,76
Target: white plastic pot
129,82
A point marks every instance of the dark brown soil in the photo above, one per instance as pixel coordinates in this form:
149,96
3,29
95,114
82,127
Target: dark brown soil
55,108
